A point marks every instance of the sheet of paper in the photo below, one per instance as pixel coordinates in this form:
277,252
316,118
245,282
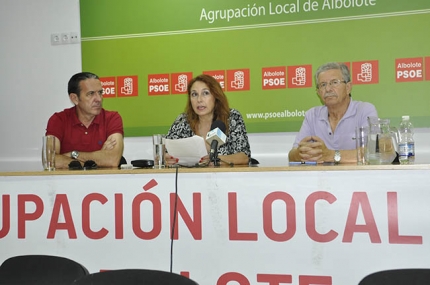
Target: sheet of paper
188,150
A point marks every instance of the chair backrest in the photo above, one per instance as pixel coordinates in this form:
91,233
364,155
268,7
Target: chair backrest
40,270
122,161
253,161
402,276
134,277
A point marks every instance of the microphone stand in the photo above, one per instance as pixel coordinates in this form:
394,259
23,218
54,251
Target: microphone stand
214,155
216,160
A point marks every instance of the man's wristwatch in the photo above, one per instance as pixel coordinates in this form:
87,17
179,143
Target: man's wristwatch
337,157
75,154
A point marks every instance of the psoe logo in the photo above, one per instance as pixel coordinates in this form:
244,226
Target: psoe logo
158,84
127,86
109,86
219,75
300,76
180,82
274,77
365,72
238,80
409,69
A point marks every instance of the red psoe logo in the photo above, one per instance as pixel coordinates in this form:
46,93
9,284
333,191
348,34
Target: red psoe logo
219,75
180,82
109,86
409,69
158,84
365,72
238,80
300,76
274,77
127,86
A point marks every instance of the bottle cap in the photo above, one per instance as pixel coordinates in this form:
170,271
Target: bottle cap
405,118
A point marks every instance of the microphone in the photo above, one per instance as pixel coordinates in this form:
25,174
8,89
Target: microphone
216,137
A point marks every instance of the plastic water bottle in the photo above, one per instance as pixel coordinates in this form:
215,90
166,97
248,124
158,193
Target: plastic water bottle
406,141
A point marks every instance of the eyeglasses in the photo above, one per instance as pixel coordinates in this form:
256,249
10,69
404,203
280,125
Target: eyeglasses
333,83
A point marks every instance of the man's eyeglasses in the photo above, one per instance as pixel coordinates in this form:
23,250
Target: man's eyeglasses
333,83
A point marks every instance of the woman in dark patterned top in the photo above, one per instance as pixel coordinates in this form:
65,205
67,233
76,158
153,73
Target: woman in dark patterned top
207,103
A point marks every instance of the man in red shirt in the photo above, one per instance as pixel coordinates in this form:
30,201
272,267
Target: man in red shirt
87,131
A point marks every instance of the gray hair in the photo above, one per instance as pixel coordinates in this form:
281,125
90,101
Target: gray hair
334,65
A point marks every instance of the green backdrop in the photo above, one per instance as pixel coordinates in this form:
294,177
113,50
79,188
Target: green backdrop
140,38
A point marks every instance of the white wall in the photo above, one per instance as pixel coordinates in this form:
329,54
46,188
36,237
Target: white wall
33,73
33,82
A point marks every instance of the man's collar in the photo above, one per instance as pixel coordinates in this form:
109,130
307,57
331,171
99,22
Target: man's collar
349,112
76,121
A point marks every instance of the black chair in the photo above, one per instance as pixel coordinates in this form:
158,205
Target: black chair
40,270
253,161
134,277
402,276
122,161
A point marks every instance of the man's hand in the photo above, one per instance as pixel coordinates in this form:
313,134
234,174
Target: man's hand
109,143
313,148
326,154
310,149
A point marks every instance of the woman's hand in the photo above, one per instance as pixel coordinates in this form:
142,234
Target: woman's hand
170,160
204,160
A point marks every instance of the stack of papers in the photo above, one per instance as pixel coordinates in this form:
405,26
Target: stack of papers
189,151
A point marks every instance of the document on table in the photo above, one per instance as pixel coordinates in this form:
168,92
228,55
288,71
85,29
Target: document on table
188,150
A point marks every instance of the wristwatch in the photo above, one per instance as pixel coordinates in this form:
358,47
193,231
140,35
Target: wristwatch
337,157
75,154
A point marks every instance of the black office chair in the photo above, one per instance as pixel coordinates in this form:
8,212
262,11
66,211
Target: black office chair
134,277
253,161
411,276
122,161
40,270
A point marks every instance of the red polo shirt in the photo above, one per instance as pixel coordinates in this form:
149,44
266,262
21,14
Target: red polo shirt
73,135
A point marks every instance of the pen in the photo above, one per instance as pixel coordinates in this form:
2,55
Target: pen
303,163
